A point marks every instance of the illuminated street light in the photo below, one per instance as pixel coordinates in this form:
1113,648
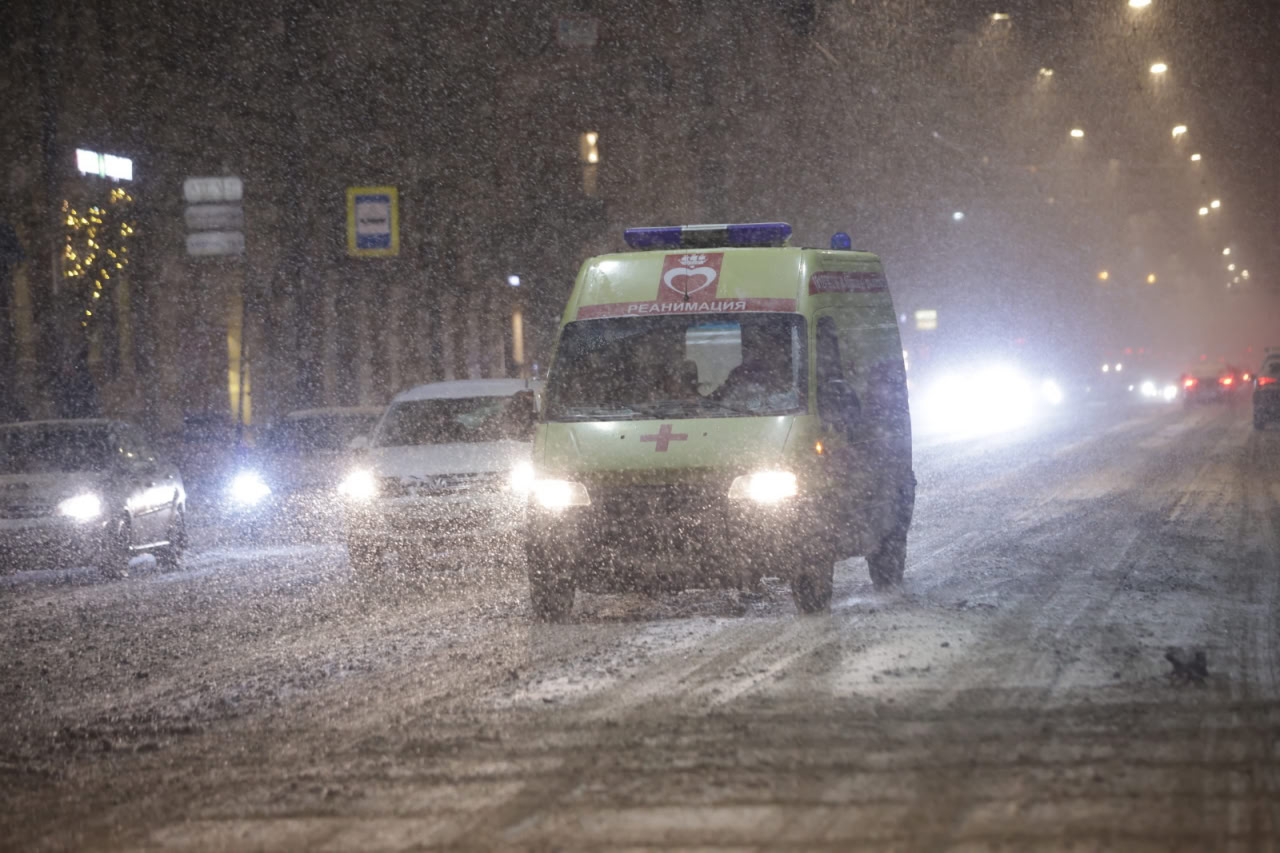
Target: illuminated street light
1204,211
1215,204
1077,133
1227,250
1231,267
1195,158
1159,68
1046,72
1139,4
1244,273
1236,279
1151,278
1178,130
999,16
1104,275
958,215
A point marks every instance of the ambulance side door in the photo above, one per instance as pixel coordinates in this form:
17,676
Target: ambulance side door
840,413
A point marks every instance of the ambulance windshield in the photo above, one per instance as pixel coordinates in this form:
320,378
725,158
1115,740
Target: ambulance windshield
679,366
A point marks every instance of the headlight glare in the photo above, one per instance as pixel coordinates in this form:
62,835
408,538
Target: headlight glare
359,485
558,494
84,507
522,478
766,487
248,488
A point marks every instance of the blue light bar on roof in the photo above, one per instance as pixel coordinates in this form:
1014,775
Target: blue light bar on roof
708,236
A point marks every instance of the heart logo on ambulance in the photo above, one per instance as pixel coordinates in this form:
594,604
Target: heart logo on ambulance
690,273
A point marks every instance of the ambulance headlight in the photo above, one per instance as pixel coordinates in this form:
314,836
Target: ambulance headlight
764,487
359,485
558,494
521,481
1051,392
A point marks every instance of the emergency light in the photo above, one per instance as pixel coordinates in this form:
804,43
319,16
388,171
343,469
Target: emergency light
708,236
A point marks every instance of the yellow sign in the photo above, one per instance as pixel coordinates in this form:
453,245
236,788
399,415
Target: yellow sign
373,222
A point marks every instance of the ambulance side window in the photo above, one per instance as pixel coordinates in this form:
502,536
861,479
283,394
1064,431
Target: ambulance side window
837,403
828,353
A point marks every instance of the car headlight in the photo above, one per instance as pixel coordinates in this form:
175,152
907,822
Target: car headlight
359,485
1170,393
248,488
558,494
85,507
766,487
522,478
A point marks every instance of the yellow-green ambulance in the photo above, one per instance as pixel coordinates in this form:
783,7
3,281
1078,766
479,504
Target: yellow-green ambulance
721,407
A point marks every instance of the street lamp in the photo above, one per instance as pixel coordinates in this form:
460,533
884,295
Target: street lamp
1215,204
957,216
1195,158
1231,267
1104,275
1077,133
1159,68
1151,278
1204,211
1178,130
1244,273
999,16
1139,4
1046,72
1227,250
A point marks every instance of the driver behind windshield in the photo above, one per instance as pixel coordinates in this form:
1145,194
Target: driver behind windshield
763,379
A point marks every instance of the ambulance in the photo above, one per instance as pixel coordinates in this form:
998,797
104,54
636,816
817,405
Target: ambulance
720,407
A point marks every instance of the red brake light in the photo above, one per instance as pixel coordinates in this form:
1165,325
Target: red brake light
1227,380
1266,380
1245,378
1188,383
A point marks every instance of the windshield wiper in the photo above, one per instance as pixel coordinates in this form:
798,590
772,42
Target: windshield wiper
595,413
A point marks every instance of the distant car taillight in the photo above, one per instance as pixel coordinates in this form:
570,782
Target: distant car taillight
1227,380
1266,380
1188,383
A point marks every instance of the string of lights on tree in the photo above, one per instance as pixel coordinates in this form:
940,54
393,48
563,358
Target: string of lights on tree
97,248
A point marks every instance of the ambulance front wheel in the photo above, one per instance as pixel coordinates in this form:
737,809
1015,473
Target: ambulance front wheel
551,590
811,585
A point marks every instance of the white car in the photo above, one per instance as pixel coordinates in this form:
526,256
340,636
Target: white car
446,466
86,492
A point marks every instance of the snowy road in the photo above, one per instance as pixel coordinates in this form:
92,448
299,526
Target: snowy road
1016,694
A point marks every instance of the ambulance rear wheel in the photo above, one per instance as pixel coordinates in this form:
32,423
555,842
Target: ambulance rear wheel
888,562
550,590
812,585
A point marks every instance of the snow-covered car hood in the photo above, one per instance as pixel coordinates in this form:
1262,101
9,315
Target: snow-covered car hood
434,459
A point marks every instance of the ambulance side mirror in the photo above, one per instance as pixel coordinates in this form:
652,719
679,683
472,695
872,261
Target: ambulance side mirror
523,415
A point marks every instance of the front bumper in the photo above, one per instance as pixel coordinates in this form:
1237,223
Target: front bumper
677,537
435,521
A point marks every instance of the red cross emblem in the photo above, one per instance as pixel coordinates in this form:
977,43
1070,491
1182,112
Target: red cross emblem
664,437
